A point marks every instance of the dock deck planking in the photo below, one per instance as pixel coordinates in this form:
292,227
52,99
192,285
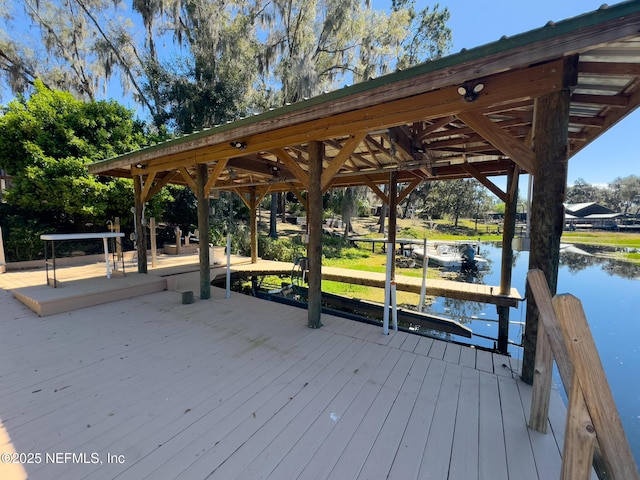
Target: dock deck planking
491,441
175,388
437,455
464,452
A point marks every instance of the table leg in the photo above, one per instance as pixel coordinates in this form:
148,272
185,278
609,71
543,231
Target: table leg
106,256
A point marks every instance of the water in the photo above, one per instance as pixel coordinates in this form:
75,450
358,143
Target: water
609,291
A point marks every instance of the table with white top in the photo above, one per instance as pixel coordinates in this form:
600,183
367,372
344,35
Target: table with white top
57,237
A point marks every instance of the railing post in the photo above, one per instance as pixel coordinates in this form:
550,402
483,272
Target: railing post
579,437
542,378
616,453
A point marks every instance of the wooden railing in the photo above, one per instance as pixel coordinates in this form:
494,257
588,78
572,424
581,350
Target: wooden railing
593,433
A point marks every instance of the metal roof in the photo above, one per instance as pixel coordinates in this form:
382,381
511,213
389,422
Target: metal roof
415,121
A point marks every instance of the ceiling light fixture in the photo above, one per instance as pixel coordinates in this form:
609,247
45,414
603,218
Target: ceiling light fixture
470,91
238,145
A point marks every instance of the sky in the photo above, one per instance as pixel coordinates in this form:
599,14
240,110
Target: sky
614,154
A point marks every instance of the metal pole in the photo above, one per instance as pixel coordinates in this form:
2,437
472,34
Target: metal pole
423,288
387,290
228,295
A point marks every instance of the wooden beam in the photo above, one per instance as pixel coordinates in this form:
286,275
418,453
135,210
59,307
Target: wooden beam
497,137
159,184
610,68
187,178
342,156
377,191
408,189
148,182
292,165
299,196
435,126
485,181
215,175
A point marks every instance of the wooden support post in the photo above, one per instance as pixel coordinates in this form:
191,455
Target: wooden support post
154,247
141,241
203,230
314,225
253,219
507,256
116,228
551,135
393,197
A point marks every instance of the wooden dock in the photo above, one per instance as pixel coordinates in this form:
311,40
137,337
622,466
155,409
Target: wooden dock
241,388
435,287
84,286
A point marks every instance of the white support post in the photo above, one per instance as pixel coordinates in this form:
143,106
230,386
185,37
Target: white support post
228,295
3,263
423,288
387,290
394,307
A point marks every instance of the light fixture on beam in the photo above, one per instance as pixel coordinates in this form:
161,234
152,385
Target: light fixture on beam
140,166
239,145
470,91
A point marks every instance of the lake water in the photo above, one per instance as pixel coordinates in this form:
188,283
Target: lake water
610,294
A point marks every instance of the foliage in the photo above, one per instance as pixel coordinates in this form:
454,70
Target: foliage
206,71
621,195
280,249
46,142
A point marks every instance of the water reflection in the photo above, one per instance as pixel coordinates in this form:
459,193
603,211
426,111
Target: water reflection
576,262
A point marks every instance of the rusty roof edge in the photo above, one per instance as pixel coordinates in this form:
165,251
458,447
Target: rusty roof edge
551,30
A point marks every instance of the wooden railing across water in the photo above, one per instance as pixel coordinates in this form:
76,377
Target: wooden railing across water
593,433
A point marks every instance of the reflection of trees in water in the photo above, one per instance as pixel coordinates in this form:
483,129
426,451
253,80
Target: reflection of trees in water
576,262
622,269
460,310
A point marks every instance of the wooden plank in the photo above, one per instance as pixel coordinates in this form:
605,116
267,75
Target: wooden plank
546,454
437,455
501,365
406,464
309,402
321,428
437,349
484,361
468,357
327,454
491,452
276,449
423,346
410,343
516,436
464,453
356,452
452,353
397,339
383,451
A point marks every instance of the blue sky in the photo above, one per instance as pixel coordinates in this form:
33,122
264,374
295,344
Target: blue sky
612,155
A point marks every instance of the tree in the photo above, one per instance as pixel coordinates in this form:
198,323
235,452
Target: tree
627,192
582,192
46,143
